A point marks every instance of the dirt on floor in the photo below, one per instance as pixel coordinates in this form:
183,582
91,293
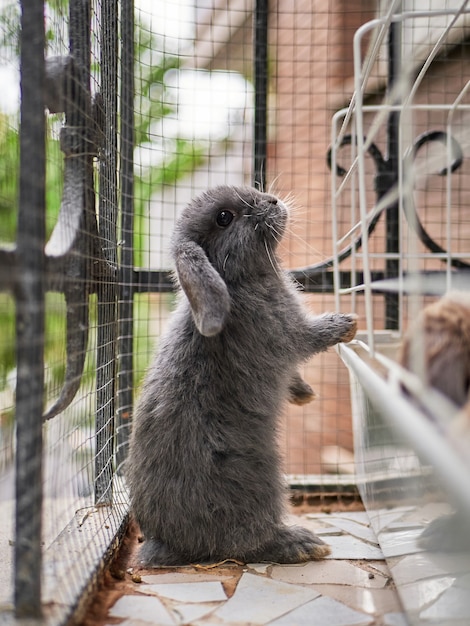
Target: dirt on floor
124,575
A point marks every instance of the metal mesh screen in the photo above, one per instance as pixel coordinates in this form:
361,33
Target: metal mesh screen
208,110
144,109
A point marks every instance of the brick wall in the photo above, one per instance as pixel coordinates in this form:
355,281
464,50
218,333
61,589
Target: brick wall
312,67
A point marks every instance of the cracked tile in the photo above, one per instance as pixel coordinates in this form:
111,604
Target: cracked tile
323,611
133,622
416,596
381,518
143,608
259,600
347,547
395,619
415,567
317,527
426,513
453,604
182,577
361,517
360,531
188,592
327,572
400,543
371,601
188,613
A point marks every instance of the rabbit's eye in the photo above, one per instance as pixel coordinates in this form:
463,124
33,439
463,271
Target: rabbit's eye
224,218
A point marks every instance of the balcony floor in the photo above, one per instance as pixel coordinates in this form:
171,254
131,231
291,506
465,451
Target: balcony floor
353,586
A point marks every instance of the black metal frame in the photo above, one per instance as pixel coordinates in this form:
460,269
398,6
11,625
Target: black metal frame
29,290
81,256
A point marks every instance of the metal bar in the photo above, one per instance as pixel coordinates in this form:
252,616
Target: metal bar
126,293
30,314
392,213
148,281
261,93
107,289
403,415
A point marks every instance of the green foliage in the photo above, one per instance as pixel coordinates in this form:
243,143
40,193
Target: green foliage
152,104
9,179
9,172
9,30
7,344
186,158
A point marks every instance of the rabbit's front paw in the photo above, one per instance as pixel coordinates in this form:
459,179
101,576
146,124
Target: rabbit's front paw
350,323
300,392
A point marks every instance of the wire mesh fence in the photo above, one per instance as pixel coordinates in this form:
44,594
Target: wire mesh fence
146,106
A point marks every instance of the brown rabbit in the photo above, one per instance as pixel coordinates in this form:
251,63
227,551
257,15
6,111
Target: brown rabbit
443,332
439,340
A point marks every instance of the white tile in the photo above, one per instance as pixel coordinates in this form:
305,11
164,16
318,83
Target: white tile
347,547
453,604
327,572
142,608
426,513
259,600
188,592
415,567
400,543
316,526
355,529
321,612
134,622
416,596
395,619
361,517
182,577
188,613
370,601
381,518
463,581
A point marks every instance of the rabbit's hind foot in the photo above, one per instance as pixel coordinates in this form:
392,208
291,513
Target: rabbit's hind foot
154,553
293,544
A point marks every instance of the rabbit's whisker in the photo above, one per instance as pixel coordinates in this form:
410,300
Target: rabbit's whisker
305,243
277,236
273,264
225,262
242,199
273,183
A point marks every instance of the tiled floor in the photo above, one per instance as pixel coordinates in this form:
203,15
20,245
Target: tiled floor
352,586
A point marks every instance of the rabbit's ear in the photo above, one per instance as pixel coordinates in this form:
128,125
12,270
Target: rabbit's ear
204,288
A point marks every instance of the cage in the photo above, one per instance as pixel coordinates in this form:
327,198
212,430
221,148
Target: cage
398,197
354,112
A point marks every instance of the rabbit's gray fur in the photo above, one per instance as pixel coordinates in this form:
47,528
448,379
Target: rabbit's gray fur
204,470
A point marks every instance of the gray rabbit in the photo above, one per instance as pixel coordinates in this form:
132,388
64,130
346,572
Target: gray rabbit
204,470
